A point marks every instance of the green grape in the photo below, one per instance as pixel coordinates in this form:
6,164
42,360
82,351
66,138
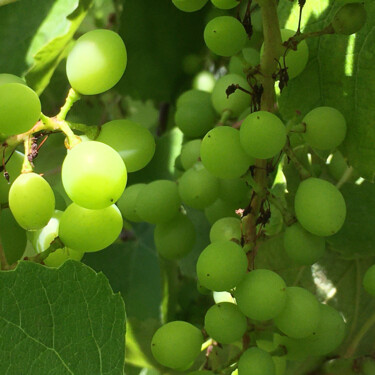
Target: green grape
59,256
255,361
158,202
225,35
220,209
134,143
88,230
189,5
221,265
236,191
175,238
226,229
279,362
320,207
225,4
349,19
262,135
251,56
261,294
190,153
192,97
225,323
301,313
128,201
236,102
237,65
10,78
12,237
222,155
31,201
301,246
94,175
203,290
204,81
369,280
325,128
198,188
294,350
19,110
176,344
13,167
195,119
96,62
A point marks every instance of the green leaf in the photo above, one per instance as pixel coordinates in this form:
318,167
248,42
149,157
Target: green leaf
65,321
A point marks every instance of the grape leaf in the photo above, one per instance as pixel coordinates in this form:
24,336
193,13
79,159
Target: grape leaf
61,321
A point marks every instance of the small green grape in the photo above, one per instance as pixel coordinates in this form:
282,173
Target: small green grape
237,65
251,56
10,78
225,323
190,153
220,209
262,135
261,295
192,97
13,167
225,4
226,229
236,191
176,344
59,256
96,62
189,5
369,280
255,361
320,207
128,201
349,19
221,265
325,128
175,238
301,246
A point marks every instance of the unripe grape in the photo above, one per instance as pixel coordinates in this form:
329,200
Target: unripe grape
189,5
13,167
255,361
59,256
369,280
220,209
226,229
191,97
225,4
320,207
128,201
236,191
176,344
10,78
96,62
349,19
190,153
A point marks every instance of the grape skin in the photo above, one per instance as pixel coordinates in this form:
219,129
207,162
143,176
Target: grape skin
59,256
13,167
190,153
225,4
226,229
255,361
128,201
220,209
189,5
369,280
10,78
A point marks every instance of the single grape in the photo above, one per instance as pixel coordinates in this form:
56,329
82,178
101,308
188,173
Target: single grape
59,256
204,81
220,209
96,62
325,128
190,153
237,65
134,143
158,202
262,135
176,344
128,201
301,246
175,238
197,187
251,56
88,230
192,97
261,295
221,265
369,280
31,201
237,101
19,110
225,323
226,229
10,78
222,154
225,35
13,167
94,175
279,362
349,19
255,361
300,316
189,5
320,207
225,4
236,191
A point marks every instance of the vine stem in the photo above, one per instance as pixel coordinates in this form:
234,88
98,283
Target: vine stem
345,177
72,97
27,166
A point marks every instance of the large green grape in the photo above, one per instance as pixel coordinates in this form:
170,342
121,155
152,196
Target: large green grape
59,256
236,191
301,246
132,141
158,202
13,167
225,323
197,187
189,5
220,209
96,62
300,315
128,201
20,108
190,153
261,294
237,102
31,201
262,135
369,280
88,230
221,265
225,35
320,207
349,19
325,128
225,4
226,229
175,238
222,154
10,78
94,175
176,344
255,361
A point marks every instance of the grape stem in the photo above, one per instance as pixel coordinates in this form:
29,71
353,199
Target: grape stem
302,171
72,97
345,177
27,166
